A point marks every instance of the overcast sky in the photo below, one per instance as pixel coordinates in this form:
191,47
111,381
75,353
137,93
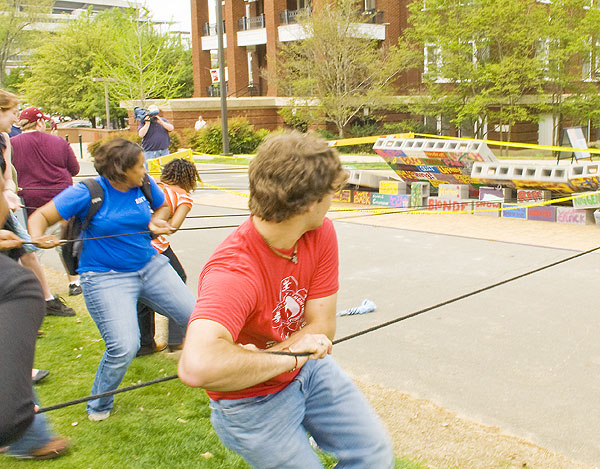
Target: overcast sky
167,10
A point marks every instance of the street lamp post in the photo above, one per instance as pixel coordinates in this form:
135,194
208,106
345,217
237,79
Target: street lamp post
106,80
222,84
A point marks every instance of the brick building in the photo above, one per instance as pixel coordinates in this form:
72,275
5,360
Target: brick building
254,29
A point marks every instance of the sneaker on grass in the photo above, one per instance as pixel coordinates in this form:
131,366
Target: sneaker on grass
57,307
74,289
99,416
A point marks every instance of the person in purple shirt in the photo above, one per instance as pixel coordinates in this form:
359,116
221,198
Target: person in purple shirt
45,166
154,131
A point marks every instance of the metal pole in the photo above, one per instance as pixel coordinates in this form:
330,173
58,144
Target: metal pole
108,126
222,84
80,147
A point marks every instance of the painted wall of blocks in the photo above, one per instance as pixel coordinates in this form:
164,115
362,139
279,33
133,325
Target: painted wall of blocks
492,202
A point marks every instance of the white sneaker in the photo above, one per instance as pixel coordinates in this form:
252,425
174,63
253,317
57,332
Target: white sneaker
98,416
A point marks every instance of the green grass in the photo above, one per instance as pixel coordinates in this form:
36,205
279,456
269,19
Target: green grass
235,160
165,425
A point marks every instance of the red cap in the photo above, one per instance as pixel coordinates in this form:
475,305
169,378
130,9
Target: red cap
32,114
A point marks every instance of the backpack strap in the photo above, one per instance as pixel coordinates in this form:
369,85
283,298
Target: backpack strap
147,189
96,200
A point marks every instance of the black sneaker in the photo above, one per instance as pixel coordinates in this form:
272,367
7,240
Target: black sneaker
57,307
74,289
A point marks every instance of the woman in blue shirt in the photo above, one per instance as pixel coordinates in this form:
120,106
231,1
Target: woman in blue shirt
117,271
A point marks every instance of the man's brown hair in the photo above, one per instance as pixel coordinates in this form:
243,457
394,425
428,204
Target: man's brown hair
290,172
7,100
114,158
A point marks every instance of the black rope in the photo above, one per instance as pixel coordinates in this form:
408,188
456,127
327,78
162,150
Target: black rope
65,241
137,386
342,339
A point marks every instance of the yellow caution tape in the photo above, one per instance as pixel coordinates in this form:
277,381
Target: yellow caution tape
361,140
155,164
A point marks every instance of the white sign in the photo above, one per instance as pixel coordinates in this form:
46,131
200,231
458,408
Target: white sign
577,140
214,75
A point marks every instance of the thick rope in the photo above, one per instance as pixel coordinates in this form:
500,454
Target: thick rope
348,337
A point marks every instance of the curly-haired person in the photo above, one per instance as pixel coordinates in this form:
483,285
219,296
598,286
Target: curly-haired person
272,286
178,178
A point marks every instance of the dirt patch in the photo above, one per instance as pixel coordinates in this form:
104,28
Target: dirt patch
427,433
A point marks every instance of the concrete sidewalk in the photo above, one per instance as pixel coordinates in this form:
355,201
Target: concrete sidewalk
523,357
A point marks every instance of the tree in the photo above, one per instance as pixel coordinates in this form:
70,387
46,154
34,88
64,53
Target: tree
480,59
570,58
143,62
336,71
16,36
62,69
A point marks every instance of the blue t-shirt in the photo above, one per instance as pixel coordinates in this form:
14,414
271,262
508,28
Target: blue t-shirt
157,137
121,212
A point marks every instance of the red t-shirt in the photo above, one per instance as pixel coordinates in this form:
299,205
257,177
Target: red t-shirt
259,297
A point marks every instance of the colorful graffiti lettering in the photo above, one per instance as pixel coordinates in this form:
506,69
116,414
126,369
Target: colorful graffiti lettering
342,196
400,200
361,197
532,195
571,216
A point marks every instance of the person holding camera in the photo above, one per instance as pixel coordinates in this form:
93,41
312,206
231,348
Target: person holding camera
154,131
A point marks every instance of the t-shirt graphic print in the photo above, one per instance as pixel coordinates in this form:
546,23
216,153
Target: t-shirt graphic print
288,315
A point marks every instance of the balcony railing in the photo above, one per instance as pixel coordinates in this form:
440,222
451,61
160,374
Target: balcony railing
374,16
210,29
215,91
289,16
254,22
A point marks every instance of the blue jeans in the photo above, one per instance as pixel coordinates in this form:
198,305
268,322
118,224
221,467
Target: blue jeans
111,299
151,154
271,431
35,437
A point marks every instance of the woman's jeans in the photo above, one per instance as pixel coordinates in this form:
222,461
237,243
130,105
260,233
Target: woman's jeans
146,314
111,299
271,431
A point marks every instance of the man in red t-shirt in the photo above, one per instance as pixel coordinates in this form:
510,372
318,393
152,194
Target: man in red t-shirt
271,286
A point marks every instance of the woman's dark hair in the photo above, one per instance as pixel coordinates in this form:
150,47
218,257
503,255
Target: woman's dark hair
182,173
114,158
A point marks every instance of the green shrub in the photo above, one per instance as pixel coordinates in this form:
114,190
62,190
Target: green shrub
133,136
294,119
186,136
243,139
175,142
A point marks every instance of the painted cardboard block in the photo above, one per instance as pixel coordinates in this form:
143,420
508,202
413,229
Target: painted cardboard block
589,200
453,191
532,195
542,213
421,187
392,187
572,216
491,194
382,200
419,191
444,205
400,200
361,197
344,195
514,211
485,208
